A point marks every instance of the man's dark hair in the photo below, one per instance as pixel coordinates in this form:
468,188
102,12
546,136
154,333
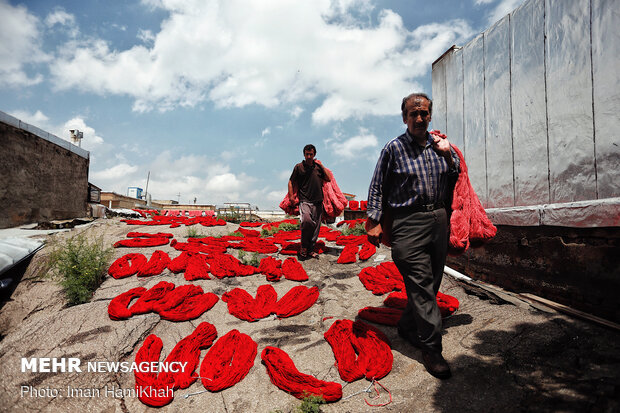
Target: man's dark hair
413,95
309,147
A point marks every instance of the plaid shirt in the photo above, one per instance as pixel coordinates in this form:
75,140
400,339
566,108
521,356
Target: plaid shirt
407,174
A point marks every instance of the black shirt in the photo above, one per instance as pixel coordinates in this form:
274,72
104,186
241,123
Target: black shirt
309,182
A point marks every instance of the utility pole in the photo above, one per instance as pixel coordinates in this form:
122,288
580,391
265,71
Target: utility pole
146,191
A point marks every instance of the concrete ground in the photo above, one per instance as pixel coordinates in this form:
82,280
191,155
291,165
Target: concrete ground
505,354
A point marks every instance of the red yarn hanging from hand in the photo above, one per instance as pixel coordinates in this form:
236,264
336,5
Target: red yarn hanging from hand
284,375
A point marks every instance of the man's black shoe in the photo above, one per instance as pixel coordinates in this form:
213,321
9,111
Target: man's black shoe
410,338
436,364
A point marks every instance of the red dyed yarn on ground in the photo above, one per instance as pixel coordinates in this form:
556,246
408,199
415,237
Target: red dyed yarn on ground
228,361
284,375
360,350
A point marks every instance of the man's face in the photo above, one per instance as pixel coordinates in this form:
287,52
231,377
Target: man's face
418,117
309,157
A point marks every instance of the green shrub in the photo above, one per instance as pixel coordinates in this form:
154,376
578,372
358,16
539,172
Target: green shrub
253,260
356,230
285,226
193,233
311,404
79,266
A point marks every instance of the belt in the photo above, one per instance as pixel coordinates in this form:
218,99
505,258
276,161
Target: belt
420,208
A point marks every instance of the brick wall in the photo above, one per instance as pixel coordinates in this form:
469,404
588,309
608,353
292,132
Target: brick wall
39,180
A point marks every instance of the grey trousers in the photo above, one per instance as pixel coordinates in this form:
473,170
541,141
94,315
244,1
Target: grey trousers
419,249
310,214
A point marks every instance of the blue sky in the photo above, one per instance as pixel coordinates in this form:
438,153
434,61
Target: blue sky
217,98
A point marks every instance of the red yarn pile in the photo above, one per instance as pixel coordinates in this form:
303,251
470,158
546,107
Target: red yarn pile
271,267
228,361
293,270
156,264
243,306
182,303
127,265
396,303
152,240
284,375
156,389
360,350
348,254
383,278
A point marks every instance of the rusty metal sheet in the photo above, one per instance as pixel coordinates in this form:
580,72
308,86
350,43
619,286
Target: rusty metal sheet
439,95
473,113
454,94
498,113
529,110
606,92
569,101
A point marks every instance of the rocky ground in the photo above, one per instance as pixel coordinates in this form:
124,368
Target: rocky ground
505,355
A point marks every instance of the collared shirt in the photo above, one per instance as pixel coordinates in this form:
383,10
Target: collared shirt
408,174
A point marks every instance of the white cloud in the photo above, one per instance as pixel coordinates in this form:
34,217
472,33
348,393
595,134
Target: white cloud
484,1
296,111
146,36
265,131
90,142
355,146
111,174
20,46
502,9
61,17
241,52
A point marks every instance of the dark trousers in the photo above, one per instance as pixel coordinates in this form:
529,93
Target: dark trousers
419,248
310,214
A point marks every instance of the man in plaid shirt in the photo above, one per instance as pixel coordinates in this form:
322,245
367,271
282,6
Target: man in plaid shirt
413,182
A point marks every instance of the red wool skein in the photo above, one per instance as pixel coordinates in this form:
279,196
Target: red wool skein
117,309
156,264
348,254
297,300
243,306
142,242
197,268
271,267
293,270
179,264
186,350
382,279
146,300
367,251
284,375
128,264
228,361
225,265
360,350
134,234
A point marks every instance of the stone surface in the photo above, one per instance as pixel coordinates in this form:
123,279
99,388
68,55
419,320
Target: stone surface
504,357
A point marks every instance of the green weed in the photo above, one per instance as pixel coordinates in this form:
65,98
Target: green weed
79,266
253,260
311,404
356,230
193,232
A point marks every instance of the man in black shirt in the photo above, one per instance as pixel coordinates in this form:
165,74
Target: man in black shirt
307,180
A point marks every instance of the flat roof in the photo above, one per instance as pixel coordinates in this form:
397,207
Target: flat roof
10,120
